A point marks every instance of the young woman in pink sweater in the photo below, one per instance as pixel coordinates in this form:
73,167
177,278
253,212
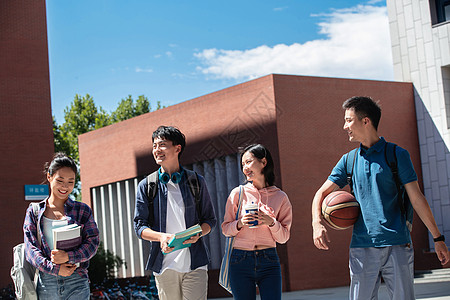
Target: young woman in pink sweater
254,260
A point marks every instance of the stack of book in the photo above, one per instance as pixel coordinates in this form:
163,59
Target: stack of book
67,238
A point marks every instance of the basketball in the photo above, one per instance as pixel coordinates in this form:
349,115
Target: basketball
340,209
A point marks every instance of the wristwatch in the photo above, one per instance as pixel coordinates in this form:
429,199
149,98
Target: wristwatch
440,238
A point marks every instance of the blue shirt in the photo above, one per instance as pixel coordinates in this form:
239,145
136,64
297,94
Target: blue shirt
198,251
381,222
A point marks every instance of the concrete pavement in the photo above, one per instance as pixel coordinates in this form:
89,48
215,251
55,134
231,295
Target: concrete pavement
430,285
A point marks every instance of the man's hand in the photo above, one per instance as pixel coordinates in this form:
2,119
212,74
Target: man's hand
320,236
193,239
66,269
59,256
442,252
164,240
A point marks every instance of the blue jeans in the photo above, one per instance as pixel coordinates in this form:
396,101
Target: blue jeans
51,287
251,268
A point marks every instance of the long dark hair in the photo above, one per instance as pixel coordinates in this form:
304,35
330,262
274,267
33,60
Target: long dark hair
60,160
260,152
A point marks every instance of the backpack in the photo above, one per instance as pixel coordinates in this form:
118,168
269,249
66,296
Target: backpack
152,189
391,158
23,274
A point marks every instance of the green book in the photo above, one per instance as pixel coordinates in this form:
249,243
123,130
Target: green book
178,239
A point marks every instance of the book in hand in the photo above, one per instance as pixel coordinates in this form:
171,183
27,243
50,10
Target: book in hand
67,237
177,240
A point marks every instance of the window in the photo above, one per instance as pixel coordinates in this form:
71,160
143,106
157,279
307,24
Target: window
440,11
446,85
447,11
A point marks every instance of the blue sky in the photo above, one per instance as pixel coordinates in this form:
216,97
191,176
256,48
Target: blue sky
173,51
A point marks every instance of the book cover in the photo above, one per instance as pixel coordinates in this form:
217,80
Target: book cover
178,239
67,237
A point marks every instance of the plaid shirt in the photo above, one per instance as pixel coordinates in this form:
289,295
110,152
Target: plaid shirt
39,255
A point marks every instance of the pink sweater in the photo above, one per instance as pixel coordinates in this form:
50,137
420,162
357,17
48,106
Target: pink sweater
273,201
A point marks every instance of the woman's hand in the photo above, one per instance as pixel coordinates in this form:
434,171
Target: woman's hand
59,257
66,269
164,240
246,220
264,219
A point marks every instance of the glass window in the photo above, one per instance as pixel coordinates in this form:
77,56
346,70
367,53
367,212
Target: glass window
440,11
447,11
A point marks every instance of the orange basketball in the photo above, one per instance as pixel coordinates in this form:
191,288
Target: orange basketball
340,209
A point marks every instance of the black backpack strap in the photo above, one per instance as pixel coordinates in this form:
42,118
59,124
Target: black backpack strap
403,199
391,159
152,189
194,186
349,165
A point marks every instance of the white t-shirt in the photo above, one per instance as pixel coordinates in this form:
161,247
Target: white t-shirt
179,260
48,226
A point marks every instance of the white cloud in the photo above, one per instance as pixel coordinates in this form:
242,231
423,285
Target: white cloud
356,44
280,8
143,70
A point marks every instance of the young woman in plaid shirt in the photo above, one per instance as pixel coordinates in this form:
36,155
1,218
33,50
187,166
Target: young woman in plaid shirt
62,274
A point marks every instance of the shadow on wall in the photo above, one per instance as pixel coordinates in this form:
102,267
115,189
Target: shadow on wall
434,156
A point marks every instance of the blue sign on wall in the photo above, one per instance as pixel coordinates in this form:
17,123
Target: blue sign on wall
36,192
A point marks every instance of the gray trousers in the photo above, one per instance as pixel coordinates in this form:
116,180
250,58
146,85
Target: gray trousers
394,263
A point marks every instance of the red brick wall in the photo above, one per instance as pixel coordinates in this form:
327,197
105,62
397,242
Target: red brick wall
25,115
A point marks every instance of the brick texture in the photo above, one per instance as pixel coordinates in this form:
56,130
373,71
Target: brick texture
25,115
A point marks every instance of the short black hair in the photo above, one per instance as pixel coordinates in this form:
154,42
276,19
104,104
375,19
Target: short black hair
170,133
260,152
364,107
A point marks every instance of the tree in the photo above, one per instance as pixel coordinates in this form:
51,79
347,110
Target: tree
83,116
61,145
128,109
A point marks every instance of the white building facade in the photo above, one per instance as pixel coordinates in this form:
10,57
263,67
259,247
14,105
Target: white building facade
420,37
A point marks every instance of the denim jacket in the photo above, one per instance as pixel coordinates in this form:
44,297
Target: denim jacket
198,251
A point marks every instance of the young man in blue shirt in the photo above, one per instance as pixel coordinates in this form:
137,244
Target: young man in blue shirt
180,274
381,242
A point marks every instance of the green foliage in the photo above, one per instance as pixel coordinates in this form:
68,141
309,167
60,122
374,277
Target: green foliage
103,264
61,145
83,116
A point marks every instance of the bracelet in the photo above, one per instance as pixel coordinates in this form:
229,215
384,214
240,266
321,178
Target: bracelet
440,238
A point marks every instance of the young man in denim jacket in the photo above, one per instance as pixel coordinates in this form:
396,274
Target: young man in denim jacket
180,274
